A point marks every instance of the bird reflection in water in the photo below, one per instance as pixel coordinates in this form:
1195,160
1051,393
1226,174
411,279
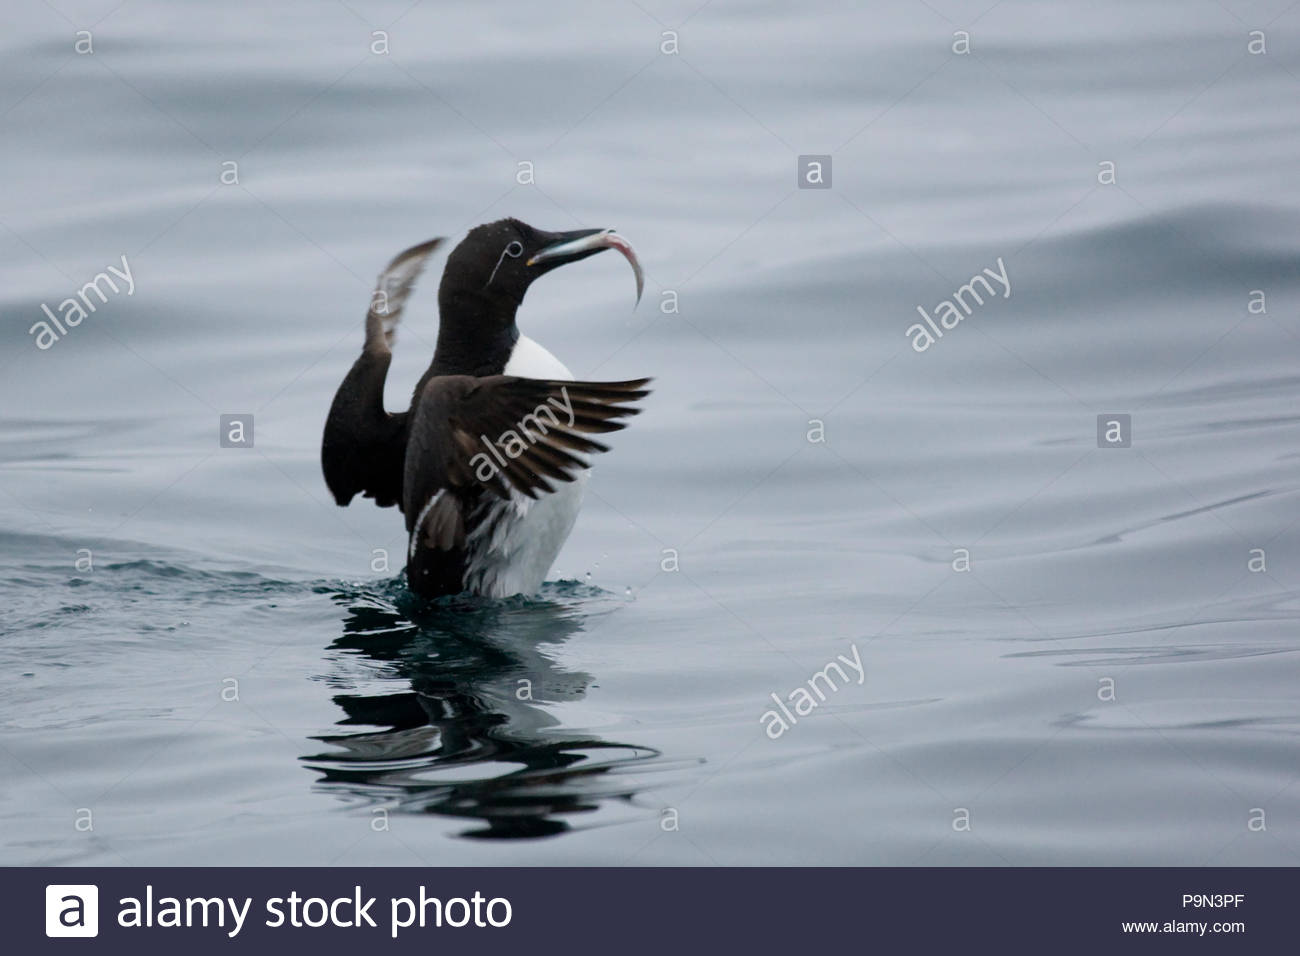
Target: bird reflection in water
470,735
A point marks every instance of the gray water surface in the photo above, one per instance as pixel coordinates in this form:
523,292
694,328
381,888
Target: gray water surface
1070,654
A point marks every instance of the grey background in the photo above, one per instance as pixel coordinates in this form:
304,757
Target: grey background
982,687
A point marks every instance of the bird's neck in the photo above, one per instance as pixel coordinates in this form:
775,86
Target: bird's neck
475,336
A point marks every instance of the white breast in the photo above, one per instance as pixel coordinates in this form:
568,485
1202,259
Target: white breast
514,546
530,360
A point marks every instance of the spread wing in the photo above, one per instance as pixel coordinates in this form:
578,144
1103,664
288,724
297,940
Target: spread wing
497,435
364,447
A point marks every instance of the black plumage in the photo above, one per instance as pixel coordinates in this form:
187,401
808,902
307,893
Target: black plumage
473,436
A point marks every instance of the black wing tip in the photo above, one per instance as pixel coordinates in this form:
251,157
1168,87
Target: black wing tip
630,384
609,393
593,447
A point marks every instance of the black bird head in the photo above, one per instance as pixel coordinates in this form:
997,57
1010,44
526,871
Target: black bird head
489,272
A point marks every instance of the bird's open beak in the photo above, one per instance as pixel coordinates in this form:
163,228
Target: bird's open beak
572,246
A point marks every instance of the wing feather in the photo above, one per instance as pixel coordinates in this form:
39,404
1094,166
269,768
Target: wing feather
473,436
363,449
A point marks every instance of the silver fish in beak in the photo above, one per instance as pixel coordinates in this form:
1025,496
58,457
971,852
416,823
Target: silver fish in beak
585,242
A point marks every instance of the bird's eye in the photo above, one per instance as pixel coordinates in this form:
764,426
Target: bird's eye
515,249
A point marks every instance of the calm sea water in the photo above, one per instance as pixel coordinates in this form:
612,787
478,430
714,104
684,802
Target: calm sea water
1069,654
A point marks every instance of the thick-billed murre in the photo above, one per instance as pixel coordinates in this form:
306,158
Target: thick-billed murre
493,422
